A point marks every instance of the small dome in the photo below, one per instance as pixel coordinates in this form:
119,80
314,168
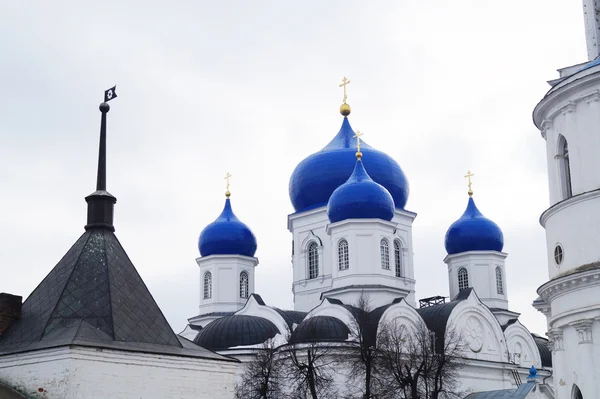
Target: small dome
231,331
227,235
360,198
320,328
316,177
473,232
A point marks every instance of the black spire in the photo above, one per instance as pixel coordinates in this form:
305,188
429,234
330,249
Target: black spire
101,203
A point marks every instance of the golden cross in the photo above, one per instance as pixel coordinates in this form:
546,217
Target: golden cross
344,83
227,176
468,177
357,136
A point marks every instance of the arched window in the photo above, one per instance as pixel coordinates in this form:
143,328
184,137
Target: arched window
207,285
385,254
576,393
463,279
565,167
398,258
343,259
499,285
244,290
313,260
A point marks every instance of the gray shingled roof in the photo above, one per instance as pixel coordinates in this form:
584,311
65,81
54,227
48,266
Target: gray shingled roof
95,297
515,393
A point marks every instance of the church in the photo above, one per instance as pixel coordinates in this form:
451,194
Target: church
91,328
352,236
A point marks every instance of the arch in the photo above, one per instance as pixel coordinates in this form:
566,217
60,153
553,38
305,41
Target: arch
576,393
313,260
479,329
463,279
499,282
207,285
522,349
343,255
398,258
384,247
244,285
564,166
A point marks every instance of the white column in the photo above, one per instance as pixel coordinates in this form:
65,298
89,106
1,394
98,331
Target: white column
558,360
587,383
591,9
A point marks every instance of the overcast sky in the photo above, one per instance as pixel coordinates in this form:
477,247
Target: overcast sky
251,88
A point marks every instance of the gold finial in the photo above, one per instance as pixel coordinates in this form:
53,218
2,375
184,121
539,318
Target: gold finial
357,136
345,108
227,193
468,177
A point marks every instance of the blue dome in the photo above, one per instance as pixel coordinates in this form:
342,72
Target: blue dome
360,198
227,236
473,232
317,176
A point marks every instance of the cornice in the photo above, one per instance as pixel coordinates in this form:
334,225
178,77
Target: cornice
559,206
567,283
544,109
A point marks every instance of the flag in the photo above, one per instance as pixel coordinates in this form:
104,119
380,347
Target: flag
110,94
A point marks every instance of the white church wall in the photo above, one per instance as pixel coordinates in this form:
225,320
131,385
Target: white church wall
79,372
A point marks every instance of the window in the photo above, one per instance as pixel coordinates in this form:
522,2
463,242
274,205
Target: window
343,259
558,254
463,279
499,285
565,167
385,254
244,285
398,258
313,260
207,285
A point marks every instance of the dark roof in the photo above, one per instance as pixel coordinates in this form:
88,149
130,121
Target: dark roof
515,393
508,323
8,393
436,317
94,297
545,354
231,331
291,317
319,329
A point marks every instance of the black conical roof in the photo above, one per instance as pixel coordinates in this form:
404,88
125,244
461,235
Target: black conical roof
95,297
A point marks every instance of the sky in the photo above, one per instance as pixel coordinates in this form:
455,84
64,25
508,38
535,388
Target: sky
251,88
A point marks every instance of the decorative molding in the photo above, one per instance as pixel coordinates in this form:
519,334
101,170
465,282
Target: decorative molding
567,283
556,337
588,195
546,125
569,107
594,97
584,330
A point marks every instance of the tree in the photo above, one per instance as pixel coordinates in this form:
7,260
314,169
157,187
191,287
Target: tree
362,361
309,369
417,364
261,378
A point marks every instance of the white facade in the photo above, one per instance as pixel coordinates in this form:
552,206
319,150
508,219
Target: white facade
226,282
364,237
569,119
482,270
81,372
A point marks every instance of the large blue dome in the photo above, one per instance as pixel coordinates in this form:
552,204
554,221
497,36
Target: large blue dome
360,198
227,235
317,176
473,232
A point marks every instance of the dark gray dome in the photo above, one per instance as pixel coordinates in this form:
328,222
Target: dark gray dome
320,328
231,331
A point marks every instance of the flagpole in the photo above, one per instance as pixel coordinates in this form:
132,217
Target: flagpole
101,181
